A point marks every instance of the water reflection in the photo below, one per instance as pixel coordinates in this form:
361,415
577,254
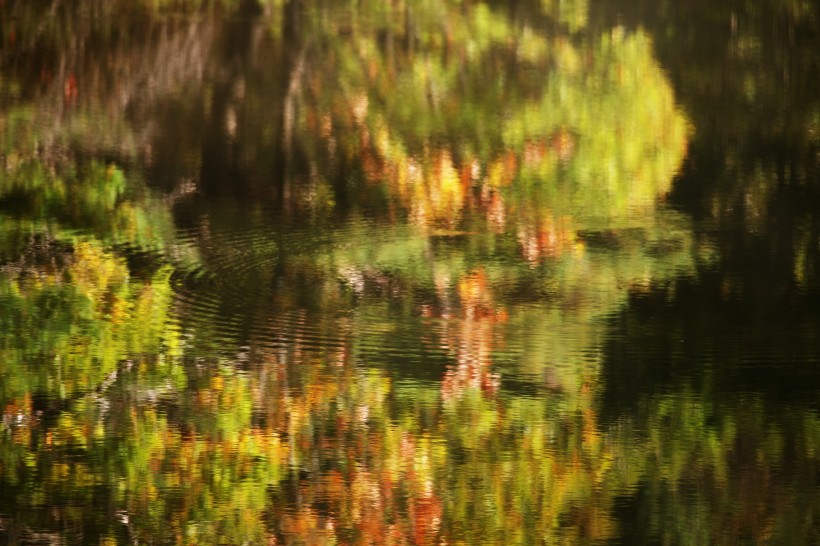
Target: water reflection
322,274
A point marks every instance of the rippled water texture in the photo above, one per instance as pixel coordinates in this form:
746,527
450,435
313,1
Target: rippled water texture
410,272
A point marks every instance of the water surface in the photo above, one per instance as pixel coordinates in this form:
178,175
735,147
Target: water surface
409,273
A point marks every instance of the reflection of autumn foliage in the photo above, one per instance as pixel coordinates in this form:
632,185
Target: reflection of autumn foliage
471,336
378,489
547,238
437,192
371,464
85,315
303,445
298,440
207,476
522,157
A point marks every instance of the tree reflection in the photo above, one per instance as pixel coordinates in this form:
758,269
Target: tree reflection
544,128
262,383
746,72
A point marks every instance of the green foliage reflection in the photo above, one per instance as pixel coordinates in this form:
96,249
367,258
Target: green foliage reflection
518,176
542,127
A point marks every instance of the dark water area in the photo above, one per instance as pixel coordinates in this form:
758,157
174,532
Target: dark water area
409,272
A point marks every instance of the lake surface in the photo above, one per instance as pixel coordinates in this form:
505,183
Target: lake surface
410,272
